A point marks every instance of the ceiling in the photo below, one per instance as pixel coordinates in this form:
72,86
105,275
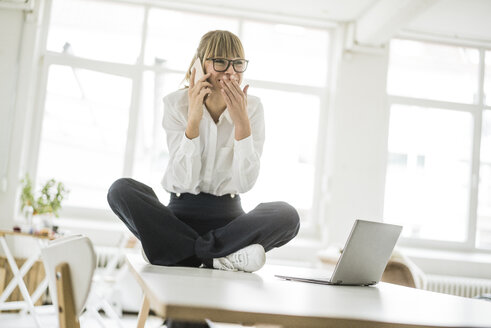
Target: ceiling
469,19
332,10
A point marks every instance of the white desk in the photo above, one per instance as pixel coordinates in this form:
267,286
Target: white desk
237,297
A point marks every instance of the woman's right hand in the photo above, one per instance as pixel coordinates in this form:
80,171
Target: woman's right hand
196,96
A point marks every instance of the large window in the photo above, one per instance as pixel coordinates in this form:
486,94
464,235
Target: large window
84,131
438,182
428,180
106,77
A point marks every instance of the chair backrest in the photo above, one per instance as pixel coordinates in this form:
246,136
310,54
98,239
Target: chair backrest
78,252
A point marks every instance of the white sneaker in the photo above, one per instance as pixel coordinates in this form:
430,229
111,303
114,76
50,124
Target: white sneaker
248,259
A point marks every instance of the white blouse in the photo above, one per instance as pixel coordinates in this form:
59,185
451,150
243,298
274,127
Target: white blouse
214,162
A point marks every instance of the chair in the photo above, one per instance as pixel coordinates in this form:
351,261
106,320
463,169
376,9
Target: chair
400,269
106,283
70,263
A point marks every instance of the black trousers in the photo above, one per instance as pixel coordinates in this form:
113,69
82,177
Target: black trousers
194,229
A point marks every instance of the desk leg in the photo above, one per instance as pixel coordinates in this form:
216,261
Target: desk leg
143,315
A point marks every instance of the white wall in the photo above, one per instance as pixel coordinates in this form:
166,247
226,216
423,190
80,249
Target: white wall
357,138
456,19
19,38
11,25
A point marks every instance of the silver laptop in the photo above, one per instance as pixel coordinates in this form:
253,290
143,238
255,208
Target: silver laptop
364,257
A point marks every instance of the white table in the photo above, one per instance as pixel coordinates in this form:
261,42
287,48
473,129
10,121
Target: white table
260,298
18,274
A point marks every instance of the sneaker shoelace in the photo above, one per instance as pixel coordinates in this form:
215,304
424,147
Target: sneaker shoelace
230,262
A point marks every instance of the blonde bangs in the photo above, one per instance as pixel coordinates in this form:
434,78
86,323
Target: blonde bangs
217,44
223,45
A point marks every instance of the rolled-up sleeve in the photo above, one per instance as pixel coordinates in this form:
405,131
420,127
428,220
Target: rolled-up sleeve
247,153
183,171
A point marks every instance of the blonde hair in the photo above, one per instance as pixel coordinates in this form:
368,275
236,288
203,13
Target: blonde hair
216,44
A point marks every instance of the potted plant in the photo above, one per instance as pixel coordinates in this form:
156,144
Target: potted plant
46,203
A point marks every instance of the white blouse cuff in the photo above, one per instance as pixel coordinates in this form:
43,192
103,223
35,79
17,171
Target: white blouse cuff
190,147
245,147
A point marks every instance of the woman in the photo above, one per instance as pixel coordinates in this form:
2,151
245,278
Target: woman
215,136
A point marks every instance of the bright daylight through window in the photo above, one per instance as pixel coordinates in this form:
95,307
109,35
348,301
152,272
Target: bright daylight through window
438,183
106,80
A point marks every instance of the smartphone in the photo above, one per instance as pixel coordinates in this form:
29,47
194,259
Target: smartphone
199,70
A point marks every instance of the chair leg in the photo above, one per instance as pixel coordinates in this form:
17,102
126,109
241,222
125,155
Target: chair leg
66,306
143,315
93,313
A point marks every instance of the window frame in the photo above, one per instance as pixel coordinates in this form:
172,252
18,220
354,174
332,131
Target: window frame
476,109
135,72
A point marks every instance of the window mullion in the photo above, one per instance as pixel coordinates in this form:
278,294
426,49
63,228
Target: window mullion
135,109
320,184
473,202
412,101
132,126
118,69
37,122
476,158
34,142
240,31
141,58
288,87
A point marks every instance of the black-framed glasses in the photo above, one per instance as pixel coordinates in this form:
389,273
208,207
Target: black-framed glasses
222,64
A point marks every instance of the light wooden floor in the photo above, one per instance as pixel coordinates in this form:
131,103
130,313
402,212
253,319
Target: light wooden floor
8,320
13,320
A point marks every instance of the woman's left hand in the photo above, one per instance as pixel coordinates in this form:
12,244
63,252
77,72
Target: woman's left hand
236,100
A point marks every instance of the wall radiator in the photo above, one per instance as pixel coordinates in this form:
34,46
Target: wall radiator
460,286
107,254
